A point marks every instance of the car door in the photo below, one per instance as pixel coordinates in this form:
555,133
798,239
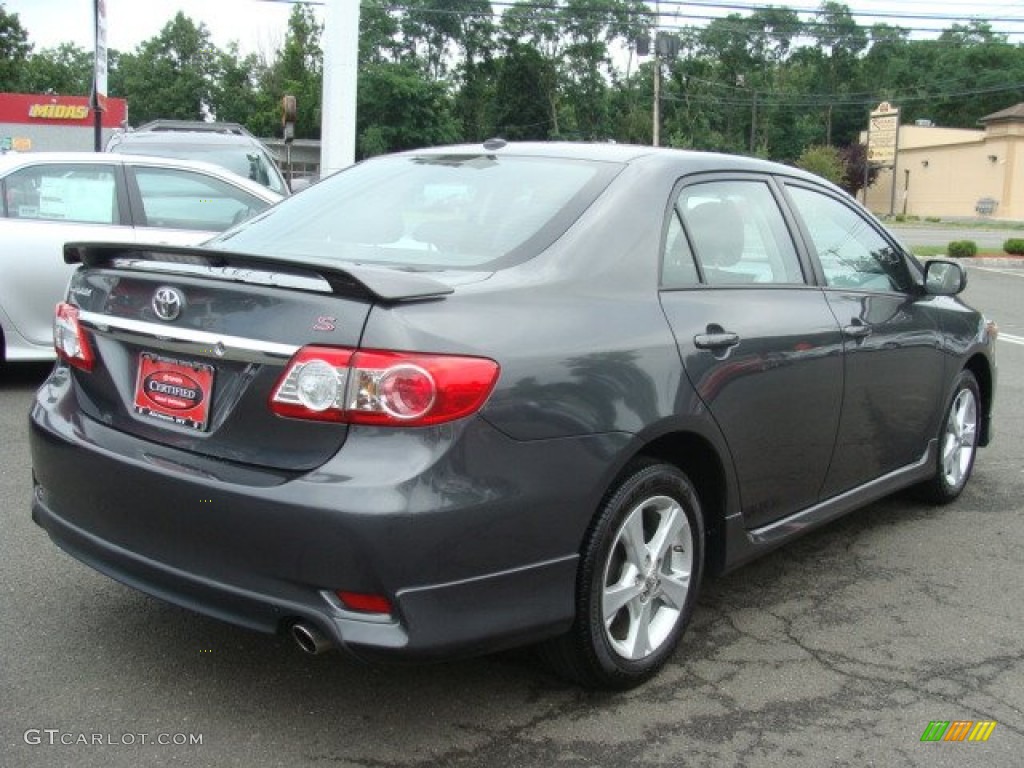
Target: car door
181,206
893,346
758,342
46,205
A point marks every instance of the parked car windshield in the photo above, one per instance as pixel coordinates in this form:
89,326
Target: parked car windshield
430,211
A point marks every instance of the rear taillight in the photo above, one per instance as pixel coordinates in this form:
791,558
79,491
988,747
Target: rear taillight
380,387
69,338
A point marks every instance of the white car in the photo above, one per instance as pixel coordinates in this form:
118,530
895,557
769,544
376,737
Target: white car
51,198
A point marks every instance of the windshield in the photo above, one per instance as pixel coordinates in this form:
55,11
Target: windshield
248,162
430,212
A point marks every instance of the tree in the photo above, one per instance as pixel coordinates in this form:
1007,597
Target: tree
573,37
298,71
824,161
523,107
400,108
14,50
840,40
437,34
378,33
854,158
66,69
233,96
170,75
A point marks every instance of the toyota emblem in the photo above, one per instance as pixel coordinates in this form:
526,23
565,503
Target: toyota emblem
167,303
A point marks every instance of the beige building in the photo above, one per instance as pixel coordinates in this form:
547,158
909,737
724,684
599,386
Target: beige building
952,172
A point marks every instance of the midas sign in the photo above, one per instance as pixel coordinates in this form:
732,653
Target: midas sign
59,111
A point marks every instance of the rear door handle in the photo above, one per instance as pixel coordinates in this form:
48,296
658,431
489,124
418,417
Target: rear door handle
857,331
720,340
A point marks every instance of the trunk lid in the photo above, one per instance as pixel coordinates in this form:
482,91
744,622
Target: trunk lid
190,344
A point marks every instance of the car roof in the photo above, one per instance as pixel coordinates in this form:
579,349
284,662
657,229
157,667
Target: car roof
693,161
182,137
12,162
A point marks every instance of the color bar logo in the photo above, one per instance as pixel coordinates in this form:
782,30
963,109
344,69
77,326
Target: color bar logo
958,730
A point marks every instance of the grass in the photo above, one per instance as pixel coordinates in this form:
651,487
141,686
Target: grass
953,223
939,251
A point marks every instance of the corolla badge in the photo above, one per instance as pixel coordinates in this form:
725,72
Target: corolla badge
167,303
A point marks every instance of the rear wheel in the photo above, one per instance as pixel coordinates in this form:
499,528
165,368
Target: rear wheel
639,575
958,443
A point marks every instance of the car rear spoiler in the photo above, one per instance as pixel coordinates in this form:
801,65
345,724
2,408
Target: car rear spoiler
379,283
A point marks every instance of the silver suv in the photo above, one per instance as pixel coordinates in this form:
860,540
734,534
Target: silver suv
228,145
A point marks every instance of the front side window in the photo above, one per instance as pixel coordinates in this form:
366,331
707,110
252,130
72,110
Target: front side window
737,234
852,253
63,192
457,211
173,198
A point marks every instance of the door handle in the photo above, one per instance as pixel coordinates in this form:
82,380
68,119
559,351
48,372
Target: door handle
857,330
719,340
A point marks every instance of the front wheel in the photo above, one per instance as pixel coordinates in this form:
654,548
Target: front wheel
639,575
958,443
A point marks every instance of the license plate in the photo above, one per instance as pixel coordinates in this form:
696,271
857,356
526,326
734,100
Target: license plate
174,391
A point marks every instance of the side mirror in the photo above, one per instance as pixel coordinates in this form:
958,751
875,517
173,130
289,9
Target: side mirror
944,278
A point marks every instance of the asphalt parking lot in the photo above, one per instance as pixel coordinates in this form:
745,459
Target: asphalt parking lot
837,650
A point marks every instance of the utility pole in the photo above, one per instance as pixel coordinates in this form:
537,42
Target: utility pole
656,128
753,123
656,112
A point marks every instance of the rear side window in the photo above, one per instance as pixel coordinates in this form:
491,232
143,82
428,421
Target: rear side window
737,234
431,211
173,198
678,269
853,254
66,192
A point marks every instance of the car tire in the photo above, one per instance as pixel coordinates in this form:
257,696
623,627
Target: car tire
958,443
637,583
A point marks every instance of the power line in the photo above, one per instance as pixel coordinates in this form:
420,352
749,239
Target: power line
679,14
749,6
837,100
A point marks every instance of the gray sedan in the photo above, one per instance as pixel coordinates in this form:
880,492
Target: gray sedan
49,198
465,398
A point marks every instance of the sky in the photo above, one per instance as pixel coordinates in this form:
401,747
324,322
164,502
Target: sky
259,26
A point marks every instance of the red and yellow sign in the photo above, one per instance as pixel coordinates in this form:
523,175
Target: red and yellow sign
43,109
59,111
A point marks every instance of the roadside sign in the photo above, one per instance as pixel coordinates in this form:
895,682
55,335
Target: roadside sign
883,131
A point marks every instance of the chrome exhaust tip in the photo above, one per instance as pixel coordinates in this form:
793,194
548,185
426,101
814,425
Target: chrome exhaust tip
310,639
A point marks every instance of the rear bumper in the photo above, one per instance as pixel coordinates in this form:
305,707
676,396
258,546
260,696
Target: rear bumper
16,348
461,617
471,535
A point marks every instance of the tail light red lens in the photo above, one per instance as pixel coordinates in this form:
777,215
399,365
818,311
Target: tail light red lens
69,338
382,387
358,601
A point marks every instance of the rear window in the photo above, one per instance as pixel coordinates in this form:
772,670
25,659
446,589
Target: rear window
430,212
